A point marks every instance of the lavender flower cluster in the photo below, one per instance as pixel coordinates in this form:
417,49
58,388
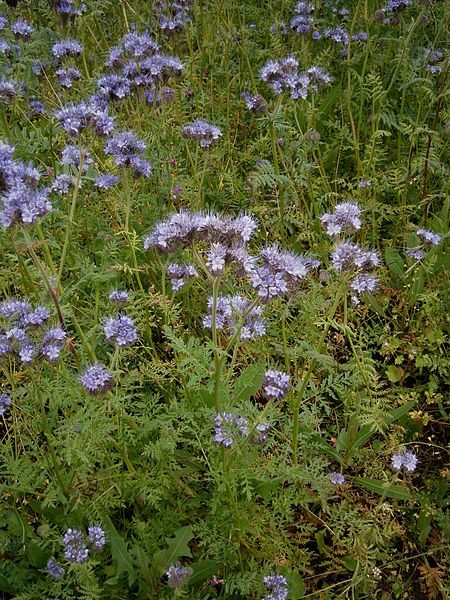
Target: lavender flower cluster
346,256
66,48
273,273
75,118
68,9
177,575
127,151
119,298
23,201
24,334
283,76
236,315
77,548
180,274
136,63
202,132
97,380
404,460
229,426
121,330
276,385
255,103
277,586
428,239
173,16
5,403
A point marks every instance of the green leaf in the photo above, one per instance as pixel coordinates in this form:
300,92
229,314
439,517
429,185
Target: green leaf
120,554
394,261
266,487
176,547
37,556
203,569
398,413
387,490
249,382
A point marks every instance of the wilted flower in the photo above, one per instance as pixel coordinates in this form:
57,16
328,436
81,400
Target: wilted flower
278,587
75,547
178,575
202,132
120,329
97,380
8,90
255,103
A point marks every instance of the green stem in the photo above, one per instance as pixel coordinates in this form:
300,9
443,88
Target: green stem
46,428
305,380
218,357
71,217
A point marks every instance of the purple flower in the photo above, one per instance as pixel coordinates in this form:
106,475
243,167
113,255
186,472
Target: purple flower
96,536
364,183
113,87
106,181
139,45
227,426
4,46
179,274
283,76
52,343
176,229
318,77
75,547
416,253
336,478
75,118
71,156
8,90
126,150
255,103
22,29
5,403
349,256
404,459
120,329
202,132
54,569
119,297
364,283
345,218
97,380
429,238
36,107
3,22
234,312
276,385
63,184
67,75
280,272
177,575
278,587
69,47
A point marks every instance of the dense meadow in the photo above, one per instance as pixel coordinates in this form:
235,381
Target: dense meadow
224,299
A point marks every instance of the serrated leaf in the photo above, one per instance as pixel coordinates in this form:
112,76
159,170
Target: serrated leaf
176,546
119,551
399,492
249,382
